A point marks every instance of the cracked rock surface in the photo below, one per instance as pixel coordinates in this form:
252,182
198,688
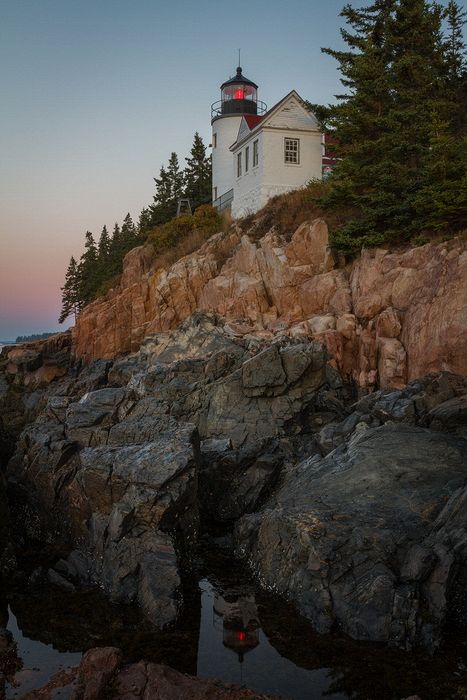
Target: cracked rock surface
372,537
356,511
112,462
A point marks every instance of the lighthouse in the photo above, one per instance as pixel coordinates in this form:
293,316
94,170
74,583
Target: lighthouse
239,98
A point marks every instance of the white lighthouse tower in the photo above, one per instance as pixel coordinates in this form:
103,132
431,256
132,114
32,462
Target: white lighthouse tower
239,97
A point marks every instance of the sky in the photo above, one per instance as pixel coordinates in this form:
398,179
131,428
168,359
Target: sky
94,96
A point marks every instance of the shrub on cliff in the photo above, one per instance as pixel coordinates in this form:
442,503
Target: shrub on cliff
184,234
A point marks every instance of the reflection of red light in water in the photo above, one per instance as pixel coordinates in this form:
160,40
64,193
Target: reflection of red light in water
239,95
241,636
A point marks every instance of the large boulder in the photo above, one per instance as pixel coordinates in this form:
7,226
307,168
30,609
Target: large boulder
370,538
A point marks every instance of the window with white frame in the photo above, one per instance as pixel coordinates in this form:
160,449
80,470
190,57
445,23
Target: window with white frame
214,194
255,153
239,164
214,140
292,151
247,158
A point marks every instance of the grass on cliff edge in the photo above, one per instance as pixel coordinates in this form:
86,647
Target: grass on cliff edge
287,211
184,234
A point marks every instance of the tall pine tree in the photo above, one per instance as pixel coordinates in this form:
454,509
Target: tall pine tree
163,207
359,121
88,270
392,124
71,302
441,202
198,174
176,178
103,248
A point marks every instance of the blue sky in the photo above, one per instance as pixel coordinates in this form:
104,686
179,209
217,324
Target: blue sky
95,96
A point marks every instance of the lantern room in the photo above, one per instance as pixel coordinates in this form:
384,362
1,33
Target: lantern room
238,96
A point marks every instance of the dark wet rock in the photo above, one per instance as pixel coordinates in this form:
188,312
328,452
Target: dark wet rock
7,558
450,416
414,403
370,538
56,579
148,680
101,676
233,482
113,472
97,668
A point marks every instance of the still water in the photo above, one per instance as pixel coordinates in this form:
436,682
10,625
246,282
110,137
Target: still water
229,629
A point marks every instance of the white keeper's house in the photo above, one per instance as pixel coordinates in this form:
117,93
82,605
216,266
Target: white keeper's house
258,153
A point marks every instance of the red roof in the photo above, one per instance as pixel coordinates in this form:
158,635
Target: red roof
252,120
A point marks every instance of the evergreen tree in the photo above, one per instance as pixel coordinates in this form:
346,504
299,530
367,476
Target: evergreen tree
176,179
163,207
359,120
116,252
388,124
441,202
455,45
88,272
128,234
144,222
103,248
70,292
197,174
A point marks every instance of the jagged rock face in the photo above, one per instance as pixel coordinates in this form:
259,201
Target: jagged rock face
115,468
358,513
372,537
387,318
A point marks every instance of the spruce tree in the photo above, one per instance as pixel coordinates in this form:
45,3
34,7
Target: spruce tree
128,234
144,222
198,174
88,271
359,122
455,45
103,248
416,85
116,252
176,178
163,207
390,122
441,202
70,292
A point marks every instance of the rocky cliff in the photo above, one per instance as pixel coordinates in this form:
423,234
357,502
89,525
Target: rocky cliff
386,318
355,511
221,394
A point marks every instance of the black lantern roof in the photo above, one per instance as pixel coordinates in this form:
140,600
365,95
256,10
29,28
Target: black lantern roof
239,78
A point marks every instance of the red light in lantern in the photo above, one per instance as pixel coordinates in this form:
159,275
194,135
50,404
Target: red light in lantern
239,95
241,636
